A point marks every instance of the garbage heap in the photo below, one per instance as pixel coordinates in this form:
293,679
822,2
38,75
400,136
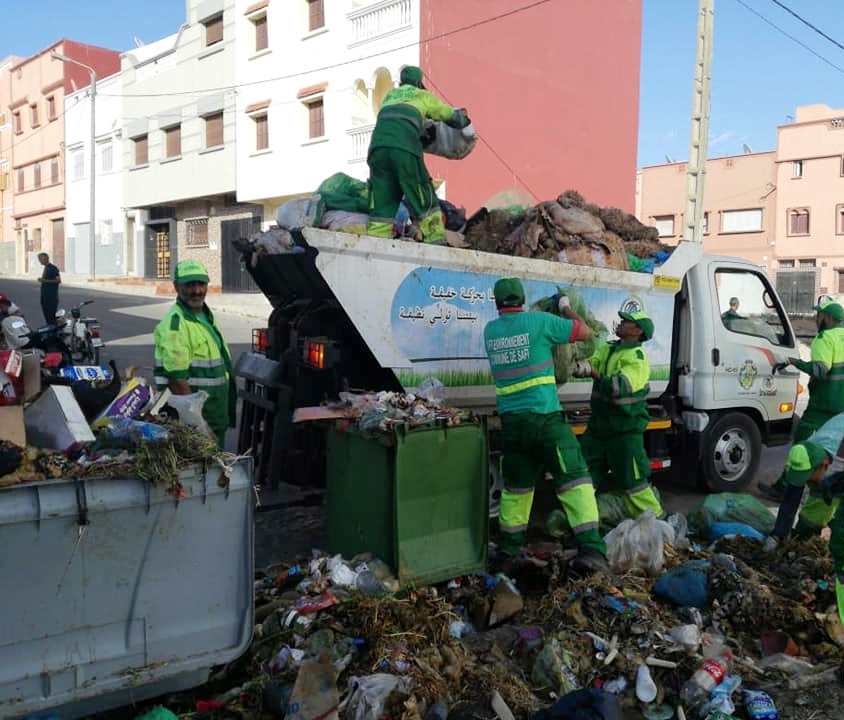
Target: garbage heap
692,622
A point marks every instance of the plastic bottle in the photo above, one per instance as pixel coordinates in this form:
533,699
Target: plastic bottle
759,705
721,697
710,674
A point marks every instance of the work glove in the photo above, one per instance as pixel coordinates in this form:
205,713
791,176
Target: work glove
793,361
582,369
460,119
779,367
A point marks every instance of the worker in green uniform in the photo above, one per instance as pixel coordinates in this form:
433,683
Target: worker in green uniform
190,353
826,379
614,444
396,167
534,437
807,464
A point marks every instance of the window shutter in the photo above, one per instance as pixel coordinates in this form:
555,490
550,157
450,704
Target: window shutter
51,108
214,31
261,37
317,119
141,150
316,14
214,130
37,175
34,110
20,180
174,141
54,171
262,141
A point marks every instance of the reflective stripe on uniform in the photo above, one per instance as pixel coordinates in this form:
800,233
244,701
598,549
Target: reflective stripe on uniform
510,373
208,382
519,491
584,527
207,363
514,512
637,489
525,385
160,380
580,507
585,480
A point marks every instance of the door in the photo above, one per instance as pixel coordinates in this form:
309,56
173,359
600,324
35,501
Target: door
797,290
162,253
58,244
235,276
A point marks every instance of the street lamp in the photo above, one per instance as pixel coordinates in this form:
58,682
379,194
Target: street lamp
93,221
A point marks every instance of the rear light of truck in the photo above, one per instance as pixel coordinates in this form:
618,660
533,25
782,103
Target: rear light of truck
660,464
314,354
260,340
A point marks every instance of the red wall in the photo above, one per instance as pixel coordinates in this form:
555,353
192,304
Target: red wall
105,63
553,89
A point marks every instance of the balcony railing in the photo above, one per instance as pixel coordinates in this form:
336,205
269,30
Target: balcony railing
380,19
360,142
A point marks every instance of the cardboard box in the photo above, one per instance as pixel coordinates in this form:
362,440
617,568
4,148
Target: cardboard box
55,420
31,376
11,425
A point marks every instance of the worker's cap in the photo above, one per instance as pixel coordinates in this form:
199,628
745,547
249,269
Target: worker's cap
803,460
509,292
188,271
833,309
411,75
642,320
734,301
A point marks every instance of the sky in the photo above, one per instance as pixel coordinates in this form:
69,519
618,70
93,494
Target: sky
758,75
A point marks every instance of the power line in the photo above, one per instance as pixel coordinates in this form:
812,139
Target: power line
808,24
790,36
302,73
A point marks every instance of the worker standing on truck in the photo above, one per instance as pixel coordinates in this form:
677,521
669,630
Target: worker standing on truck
807,463
396,166
614,443
826,379
190,353
534,437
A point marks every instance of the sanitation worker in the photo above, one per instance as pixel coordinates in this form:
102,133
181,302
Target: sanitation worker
535,438
396,167
614,443
807,464
190,353
826,378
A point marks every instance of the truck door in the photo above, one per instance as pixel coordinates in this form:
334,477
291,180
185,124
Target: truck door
751,335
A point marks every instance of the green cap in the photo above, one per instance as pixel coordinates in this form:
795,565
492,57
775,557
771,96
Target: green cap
411,75
802,461
190,271
642,320
509,292
833,309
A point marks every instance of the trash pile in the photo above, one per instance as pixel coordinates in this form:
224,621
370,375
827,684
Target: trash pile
686,631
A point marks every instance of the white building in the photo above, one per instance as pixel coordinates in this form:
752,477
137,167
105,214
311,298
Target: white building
297,125
179,146
117,249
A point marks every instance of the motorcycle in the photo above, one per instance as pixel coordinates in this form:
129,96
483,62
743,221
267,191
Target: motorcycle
82,335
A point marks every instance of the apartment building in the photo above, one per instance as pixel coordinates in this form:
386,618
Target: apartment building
553,115
7,221
38,86
179,148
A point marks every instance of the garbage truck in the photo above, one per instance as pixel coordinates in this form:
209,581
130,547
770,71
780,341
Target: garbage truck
356,312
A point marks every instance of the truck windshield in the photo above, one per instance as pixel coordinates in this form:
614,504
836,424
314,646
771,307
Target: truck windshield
748,306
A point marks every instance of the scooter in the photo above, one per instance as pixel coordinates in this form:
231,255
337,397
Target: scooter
82,335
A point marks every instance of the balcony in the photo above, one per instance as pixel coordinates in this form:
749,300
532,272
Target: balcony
360,142
379,20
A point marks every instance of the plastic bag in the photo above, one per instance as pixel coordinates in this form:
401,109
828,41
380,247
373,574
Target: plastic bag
343,192
189,408
639,543
369,695
299,213
431,390
732,507
136,431
450,142
552,669
345,221
724,529
686,585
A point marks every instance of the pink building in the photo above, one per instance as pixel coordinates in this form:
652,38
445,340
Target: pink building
555,90
7,236
38,86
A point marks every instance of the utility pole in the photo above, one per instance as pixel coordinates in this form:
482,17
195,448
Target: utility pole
92,223
696,167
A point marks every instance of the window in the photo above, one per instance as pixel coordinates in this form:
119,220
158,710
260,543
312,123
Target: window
197,232
51,108
316,119
214,130
316,14
106,236
77,162
262,40
33,111
106,157
739,221
36,238
839,219
758,312
173,141
798,221
786,264
17,123
808,264
262,134
705,224
797,169
36,171
21,184
54,171
840,281
213,30
141,150
664,225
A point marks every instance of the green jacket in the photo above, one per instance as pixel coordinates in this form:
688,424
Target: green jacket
826,371
519,346
190,347
619,398
402,116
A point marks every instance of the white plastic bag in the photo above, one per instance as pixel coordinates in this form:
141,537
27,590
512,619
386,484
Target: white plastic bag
299,213
369,694
450,142
189,408
344,221
639,544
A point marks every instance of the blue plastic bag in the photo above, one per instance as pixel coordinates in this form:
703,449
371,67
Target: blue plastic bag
686,585
721,529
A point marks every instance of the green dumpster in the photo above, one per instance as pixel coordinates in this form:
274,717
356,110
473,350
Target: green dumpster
418,499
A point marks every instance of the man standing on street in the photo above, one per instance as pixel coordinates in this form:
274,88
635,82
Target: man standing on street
50,280
614,443
534,437
190,353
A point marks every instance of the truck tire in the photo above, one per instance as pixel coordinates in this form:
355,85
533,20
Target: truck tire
731,450
496,484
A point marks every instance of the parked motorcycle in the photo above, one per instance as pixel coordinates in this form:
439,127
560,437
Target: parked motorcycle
82,335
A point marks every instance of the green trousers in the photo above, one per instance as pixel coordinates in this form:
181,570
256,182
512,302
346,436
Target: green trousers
809,422
620,464
396,174
532,445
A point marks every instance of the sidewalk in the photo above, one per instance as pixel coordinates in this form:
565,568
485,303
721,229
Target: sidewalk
251,305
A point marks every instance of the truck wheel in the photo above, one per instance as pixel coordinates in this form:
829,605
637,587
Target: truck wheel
496,484
731,453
